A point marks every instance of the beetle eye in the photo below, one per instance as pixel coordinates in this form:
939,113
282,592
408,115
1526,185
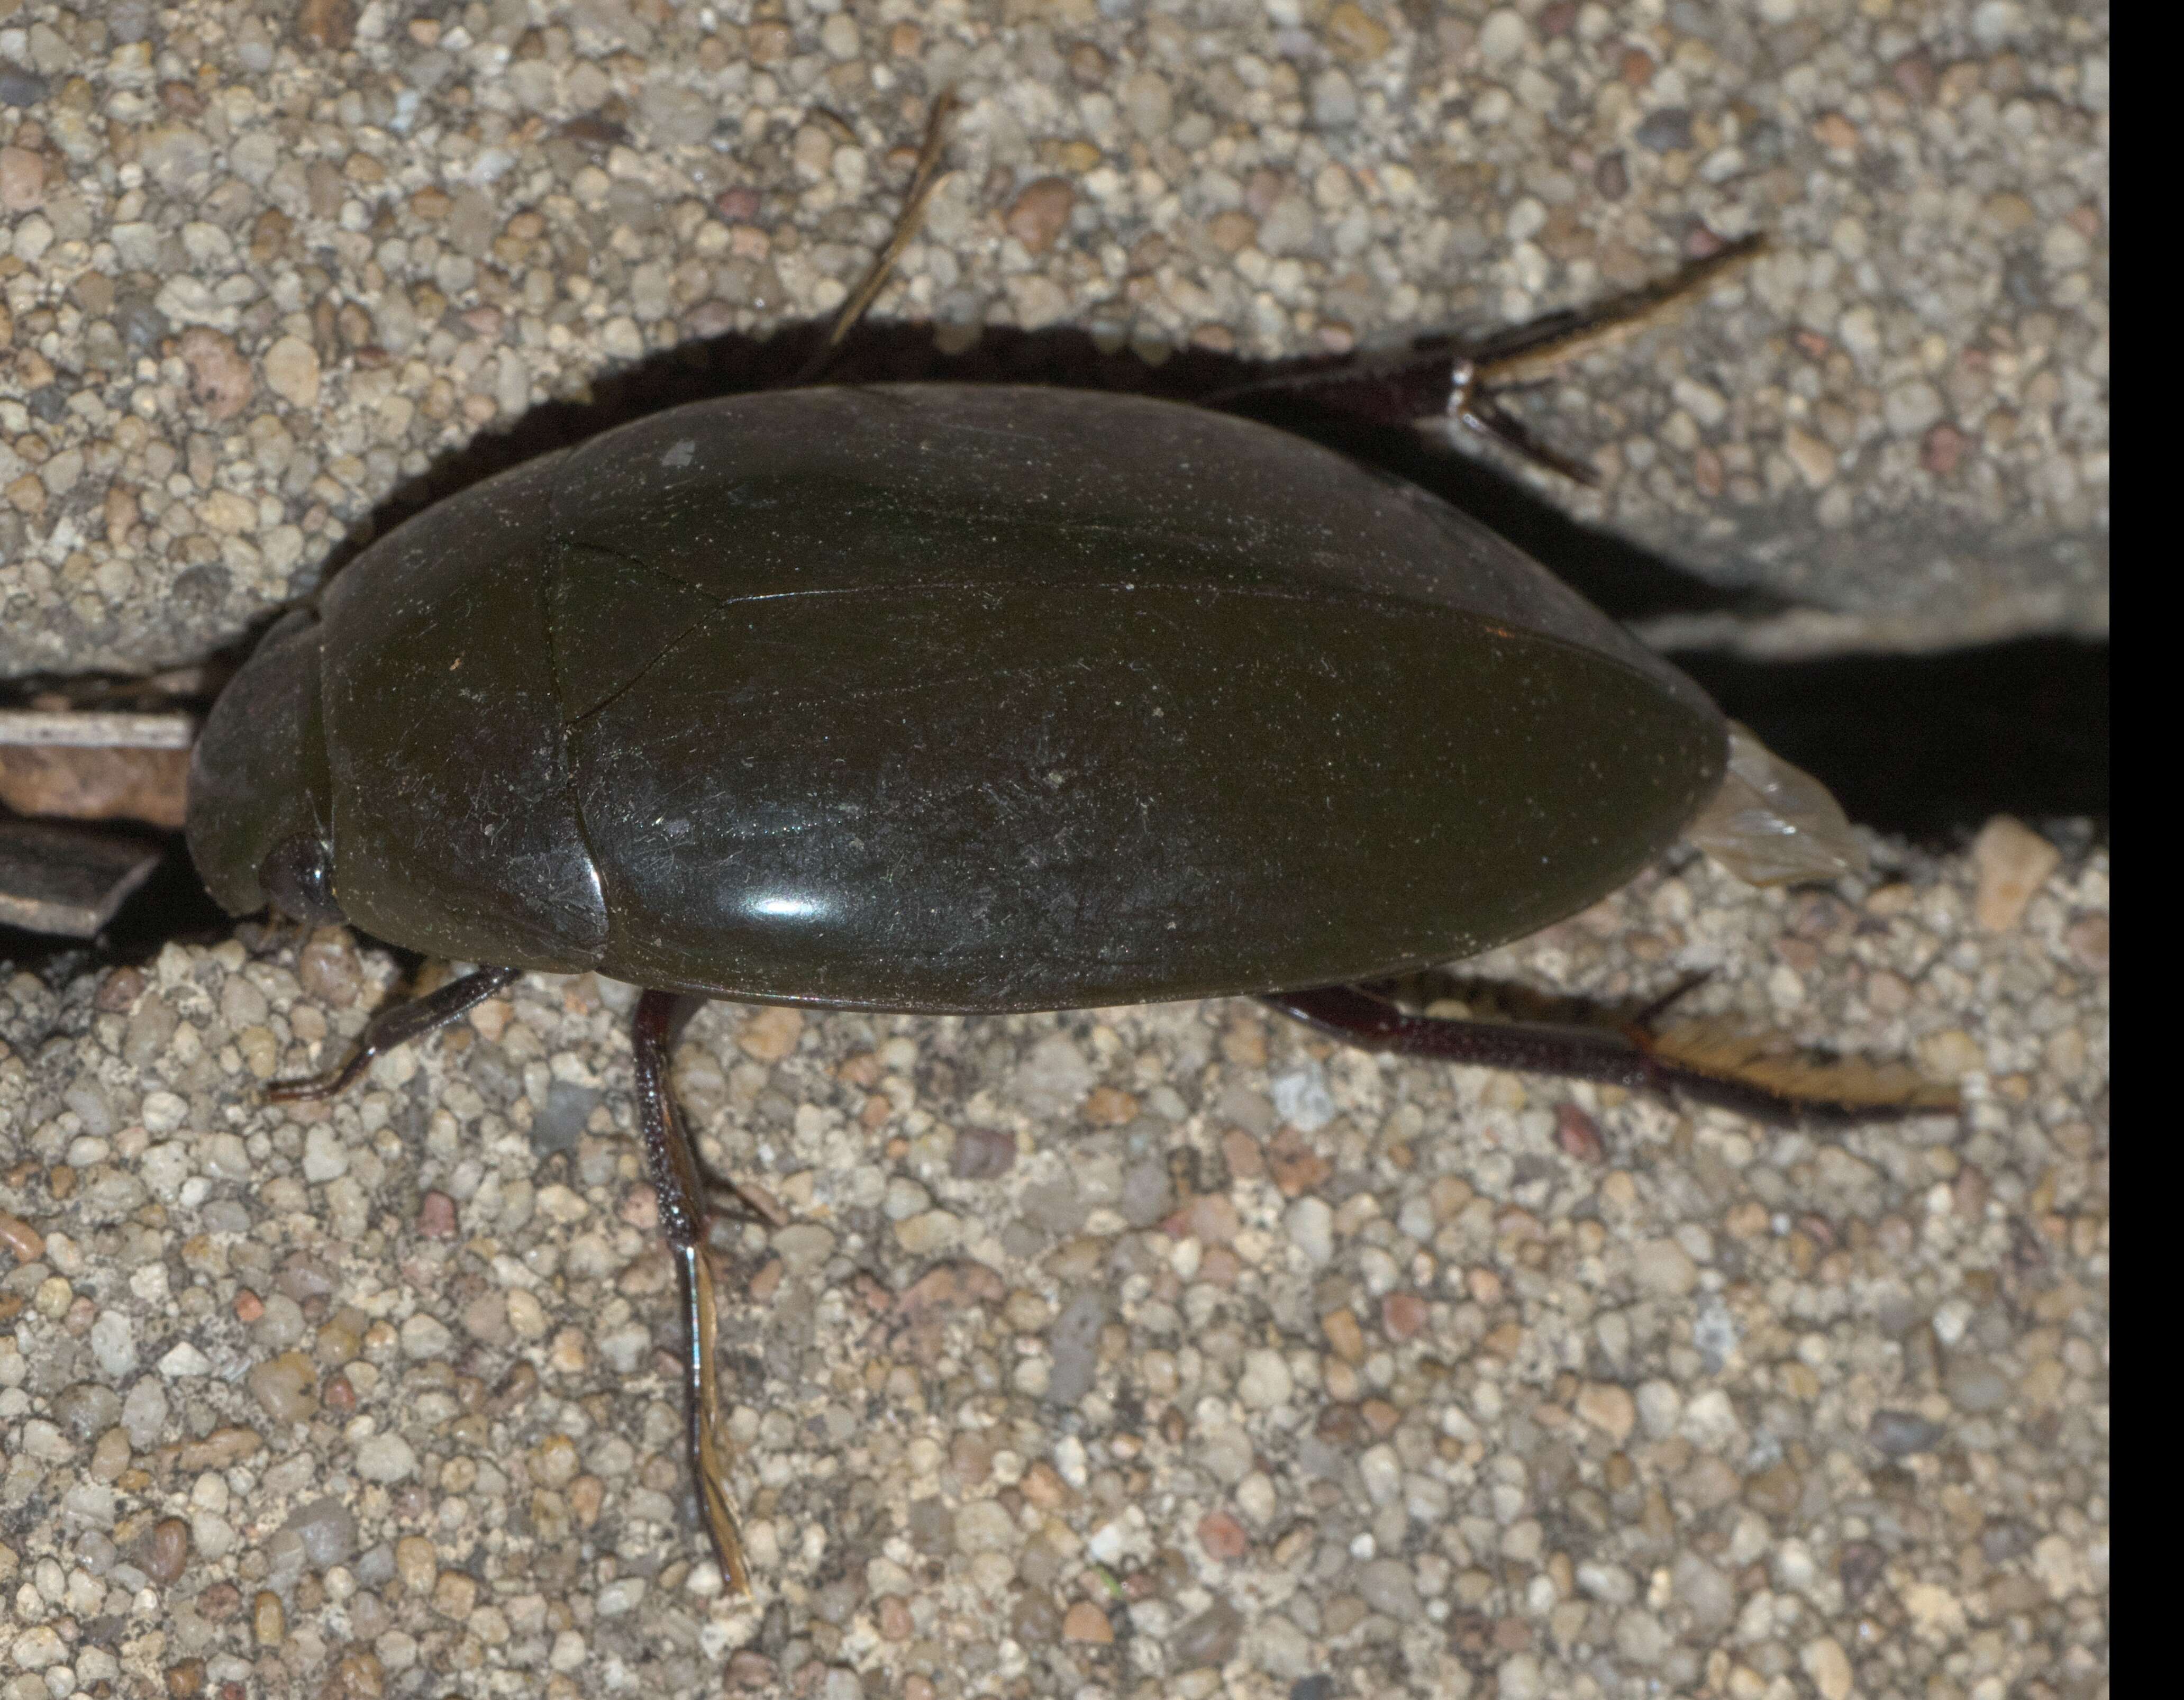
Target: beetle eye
297,874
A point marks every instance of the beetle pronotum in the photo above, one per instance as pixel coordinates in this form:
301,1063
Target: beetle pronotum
945,697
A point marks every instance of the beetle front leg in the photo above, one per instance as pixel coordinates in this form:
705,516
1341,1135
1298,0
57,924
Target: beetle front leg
673,1163
398,1025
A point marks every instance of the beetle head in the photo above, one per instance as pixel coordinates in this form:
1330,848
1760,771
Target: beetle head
260,803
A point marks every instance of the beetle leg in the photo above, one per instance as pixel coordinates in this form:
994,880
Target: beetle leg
1531,350
906,225
1700,1064
673,1163
755,1203
398,1025
1528,1047
1462,386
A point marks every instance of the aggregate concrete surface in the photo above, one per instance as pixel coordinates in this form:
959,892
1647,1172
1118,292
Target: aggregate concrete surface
1161,1352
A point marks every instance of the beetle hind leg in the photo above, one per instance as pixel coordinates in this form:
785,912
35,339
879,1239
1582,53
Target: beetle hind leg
671,1160
398,1025
1700,1062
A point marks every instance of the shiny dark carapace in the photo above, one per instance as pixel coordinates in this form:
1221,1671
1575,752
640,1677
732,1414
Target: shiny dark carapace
947,698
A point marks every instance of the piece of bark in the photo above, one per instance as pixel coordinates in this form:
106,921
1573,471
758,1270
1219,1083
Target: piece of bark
68,880
59,781
93,765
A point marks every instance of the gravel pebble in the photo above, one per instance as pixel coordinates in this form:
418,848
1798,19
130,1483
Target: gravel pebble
386,1458
2014,862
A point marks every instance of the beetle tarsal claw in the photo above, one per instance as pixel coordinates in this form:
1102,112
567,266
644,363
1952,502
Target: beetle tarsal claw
709,1448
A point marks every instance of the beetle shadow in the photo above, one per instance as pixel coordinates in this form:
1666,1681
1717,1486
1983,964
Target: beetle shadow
1618,577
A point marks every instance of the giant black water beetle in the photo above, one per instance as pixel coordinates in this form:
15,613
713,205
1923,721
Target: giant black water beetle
947,698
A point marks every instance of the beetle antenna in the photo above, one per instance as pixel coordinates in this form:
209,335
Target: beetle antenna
923,182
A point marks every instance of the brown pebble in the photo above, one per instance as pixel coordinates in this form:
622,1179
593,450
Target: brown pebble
219,1449
417,1564
220,379
1295,1167
771,1274
586,1494
1402,1315
170,1550
1354,35
24,1242
1106,1106
980,1153
186,1680
119,991
1914,74
221,1602
1579,1135
284,1387
358,1674
1085,1622
514,1391
454,1595
435,1216
1233,231
326,23
1212,1219
1775,1490
1608,1408
1241,1153
748,1671
896,1622
1044,1487
1942,450
2086,940
1243,1041
771,1034
269,1623
1041,213
1344,1335
1222,1536
249,1307
22,178
1838,132
2012,862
